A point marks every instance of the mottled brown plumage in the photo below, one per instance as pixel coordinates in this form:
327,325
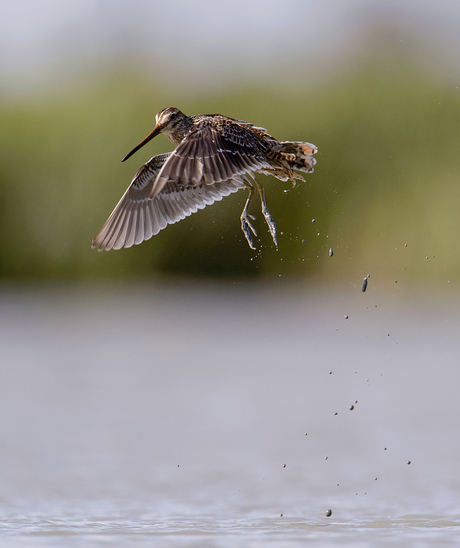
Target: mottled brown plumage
214,156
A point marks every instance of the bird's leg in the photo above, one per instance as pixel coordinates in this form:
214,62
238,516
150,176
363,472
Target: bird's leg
268,218
246,225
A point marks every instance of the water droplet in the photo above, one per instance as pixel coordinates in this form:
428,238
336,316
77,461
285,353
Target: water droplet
364,286
346,316
408,462
352,407
329,513
313,220
331,252
284,466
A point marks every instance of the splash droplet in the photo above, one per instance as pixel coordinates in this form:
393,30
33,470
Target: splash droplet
364,286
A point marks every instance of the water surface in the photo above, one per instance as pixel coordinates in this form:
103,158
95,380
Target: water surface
228,415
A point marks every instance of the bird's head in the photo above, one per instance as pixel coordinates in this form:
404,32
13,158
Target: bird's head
168,118
170,121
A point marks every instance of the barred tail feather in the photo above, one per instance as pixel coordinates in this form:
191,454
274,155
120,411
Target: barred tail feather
299,155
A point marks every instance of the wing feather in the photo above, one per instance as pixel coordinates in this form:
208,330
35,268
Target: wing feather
118,224
160,221
137,217
217,153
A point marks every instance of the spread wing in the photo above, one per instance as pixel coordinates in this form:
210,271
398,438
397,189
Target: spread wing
213,152
137,217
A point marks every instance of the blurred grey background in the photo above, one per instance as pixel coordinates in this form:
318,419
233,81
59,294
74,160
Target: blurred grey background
372,83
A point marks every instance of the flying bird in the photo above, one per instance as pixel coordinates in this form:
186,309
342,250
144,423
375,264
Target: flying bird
214,157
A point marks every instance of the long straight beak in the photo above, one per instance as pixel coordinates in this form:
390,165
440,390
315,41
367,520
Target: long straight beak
149,137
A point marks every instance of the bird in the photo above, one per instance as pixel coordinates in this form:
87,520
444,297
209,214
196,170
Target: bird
214,156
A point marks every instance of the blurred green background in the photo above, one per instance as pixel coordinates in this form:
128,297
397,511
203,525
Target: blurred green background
382,107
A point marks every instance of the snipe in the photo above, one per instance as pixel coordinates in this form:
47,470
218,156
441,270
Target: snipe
214,156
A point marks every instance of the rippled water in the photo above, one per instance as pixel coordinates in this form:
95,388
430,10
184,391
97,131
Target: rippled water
192,415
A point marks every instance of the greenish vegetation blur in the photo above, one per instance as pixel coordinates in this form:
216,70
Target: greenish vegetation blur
384,194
